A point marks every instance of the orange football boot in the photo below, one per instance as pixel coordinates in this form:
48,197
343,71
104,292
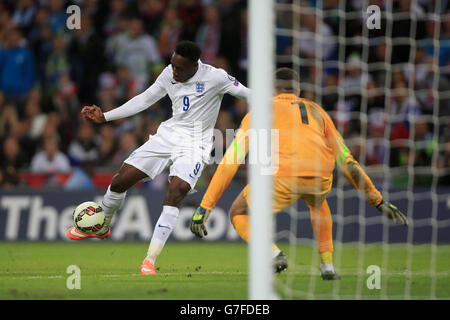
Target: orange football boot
147,267
74,234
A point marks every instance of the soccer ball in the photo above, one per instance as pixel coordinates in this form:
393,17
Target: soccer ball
88,217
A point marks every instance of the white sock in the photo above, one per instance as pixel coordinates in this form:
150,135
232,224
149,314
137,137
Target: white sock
326,268
112,201
166,223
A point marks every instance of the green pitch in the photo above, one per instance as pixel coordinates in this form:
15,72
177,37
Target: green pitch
201,270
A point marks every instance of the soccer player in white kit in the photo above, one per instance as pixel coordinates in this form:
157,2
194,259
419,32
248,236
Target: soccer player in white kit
182,143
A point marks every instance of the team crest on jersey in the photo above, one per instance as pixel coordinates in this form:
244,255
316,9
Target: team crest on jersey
200,87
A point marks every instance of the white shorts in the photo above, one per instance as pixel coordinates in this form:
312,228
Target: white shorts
159,153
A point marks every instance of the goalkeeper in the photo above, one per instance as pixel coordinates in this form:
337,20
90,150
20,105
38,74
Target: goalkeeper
309,147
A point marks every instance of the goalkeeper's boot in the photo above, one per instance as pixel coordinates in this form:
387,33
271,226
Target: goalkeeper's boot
330,275
147,267
74,234
280,262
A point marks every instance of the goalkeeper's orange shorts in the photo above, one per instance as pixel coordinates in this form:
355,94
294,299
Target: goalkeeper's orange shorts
288,190
314,190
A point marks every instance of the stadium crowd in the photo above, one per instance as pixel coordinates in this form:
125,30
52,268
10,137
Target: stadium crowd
48,72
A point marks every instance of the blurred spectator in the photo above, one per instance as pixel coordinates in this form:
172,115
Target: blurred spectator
379,57
404,109
106,141
355,77
409,15
83,148
17,73
11,161
8,117
239,110
424,148
42,45
114,41
316,39
139,53
81,178
125,87
23,14
148,125
441,33
127,145
243,56
375,97
330,96
116,9
230,18
57,64
152,12
86,57
444,164
375,148
37,118
65,99
208,35
50,160
191,13
50,129
170,34
57,16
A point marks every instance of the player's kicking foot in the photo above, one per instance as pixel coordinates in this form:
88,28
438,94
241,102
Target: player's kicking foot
280,262
330,275
74,234
147,267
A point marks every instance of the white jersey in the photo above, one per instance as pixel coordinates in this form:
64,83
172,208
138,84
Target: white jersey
195,103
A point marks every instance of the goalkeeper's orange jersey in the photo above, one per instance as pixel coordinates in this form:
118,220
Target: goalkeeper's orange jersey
305,140
309,146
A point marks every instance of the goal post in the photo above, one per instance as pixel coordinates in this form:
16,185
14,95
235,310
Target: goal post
261,67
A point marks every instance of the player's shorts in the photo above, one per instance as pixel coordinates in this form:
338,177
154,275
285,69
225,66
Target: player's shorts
158,153
288,190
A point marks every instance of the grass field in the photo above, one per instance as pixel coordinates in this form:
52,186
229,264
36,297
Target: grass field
199,270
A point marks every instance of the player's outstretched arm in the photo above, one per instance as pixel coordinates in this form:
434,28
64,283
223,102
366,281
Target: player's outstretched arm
358,177
143,100
227,168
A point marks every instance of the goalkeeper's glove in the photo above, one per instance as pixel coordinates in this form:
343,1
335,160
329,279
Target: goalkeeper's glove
391,211
198,222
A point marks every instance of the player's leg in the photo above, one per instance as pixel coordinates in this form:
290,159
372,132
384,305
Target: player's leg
176,192
184,173
125,178
322,224
112,200
240,221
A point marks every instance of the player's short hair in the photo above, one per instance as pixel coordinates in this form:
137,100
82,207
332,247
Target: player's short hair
189,50
287,79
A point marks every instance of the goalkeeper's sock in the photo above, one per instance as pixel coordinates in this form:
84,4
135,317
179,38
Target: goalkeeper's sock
326,257
166,223
112,201
326,262
326,268
240,224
